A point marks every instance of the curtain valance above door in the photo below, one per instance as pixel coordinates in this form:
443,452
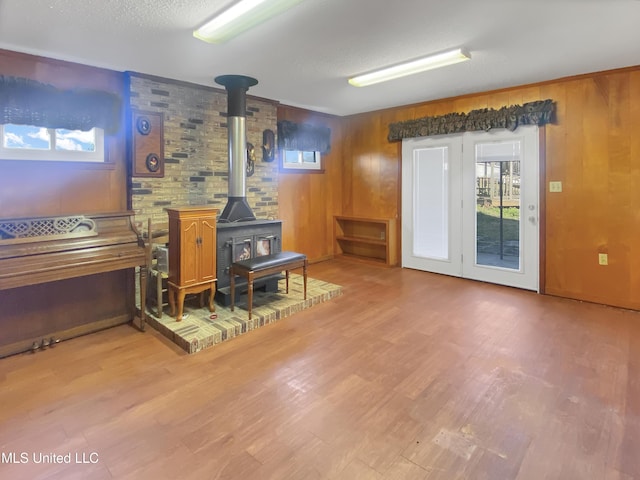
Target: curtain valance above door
538,113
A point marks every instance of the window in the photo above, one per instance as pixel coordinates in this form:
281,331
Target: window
301,160
28,142
300,146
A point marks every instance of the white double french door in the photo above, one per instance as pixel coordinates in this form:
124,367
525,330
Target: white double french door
470,206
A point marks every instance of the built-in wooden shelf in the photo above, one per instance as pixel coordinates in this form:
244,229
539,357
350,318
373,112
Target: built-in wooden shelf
368,239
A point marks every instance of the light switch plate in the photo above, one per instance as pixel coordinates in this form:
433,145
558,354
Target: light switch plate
603,259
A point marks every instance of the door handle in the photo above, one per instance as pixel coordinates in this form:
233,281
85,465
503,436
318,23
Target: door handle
533,220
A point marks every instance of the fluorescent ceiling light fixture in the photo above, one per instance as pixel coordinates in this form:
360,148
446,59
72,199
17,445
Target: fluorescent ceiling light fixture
409,68
239,17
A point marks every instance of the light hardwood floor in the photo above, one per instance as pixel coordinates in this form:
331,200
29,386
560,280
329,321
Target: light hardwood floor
408,375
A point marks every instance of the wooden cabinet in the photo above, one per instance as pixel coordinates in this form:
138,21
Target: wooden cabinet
192,255
370,239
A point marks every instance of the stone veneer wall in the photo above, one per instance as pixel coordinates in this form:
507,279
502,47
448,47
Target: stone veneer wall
196,150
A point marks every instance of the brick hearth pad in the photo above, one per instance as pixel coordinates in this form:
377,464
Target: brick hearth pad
198,331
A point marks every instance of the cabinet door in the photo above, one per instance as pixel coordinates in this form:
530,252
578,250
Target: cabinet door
207,249
189,234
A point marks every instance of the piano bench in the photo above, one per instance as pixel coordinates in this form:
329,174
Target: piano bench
258,267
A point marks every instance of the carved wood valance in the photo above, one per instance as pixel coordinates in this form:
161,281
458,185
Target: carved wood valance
533,113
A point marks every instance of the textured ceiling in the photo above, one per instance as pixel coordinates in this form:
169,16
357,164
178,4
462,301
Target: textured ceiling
303,57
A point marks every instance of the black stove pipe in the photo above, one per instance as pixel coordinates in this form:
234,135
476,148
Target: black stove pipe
237,208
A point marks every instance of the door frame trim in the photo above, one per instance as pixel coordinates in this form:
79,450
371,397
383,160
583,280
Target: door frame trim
542,208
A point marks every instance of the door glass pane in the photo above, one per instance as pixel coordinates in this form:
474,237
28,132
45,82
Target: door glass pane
431,203
498,204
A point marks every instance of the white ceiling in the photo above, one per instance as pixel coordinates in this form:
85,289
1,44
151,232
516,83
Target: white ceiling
303,57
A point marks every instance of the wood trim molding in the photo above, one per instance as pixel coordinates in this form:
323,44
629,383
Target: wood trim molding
542,209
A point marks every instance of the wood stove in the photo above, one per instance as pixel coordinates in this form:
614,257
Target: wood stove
240,235
241,241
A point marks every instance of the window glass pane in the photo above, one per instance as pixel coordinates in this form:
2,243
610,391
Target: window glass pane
291,156
498,205
309,157
25,137
76,140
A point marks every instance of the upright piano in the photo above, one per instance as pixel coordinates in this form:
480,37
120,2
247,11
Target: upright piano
49,249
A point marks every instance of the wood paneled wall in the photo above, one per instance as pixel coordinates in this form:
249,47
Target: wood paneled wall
32,189
594,149
308,201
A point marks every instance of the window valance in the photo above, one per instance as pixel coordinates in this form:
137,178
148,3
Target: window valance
27,102
303,137
533,113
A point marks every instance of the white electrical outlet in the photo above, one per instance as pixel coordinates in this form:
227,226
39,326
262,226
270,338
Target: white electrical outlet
555,187
603,259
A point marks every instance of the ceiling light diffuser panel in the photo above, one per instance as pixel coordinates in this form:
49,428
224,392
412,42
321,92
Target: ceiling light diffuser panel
239,17
409,68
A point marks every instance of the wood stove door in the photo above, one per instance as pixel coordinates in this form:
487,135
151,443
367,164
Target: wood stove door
265,245
242,249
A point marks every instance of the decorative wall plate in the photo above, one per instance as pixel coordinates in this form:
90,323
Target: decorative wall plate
153,162
143,125
268,145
